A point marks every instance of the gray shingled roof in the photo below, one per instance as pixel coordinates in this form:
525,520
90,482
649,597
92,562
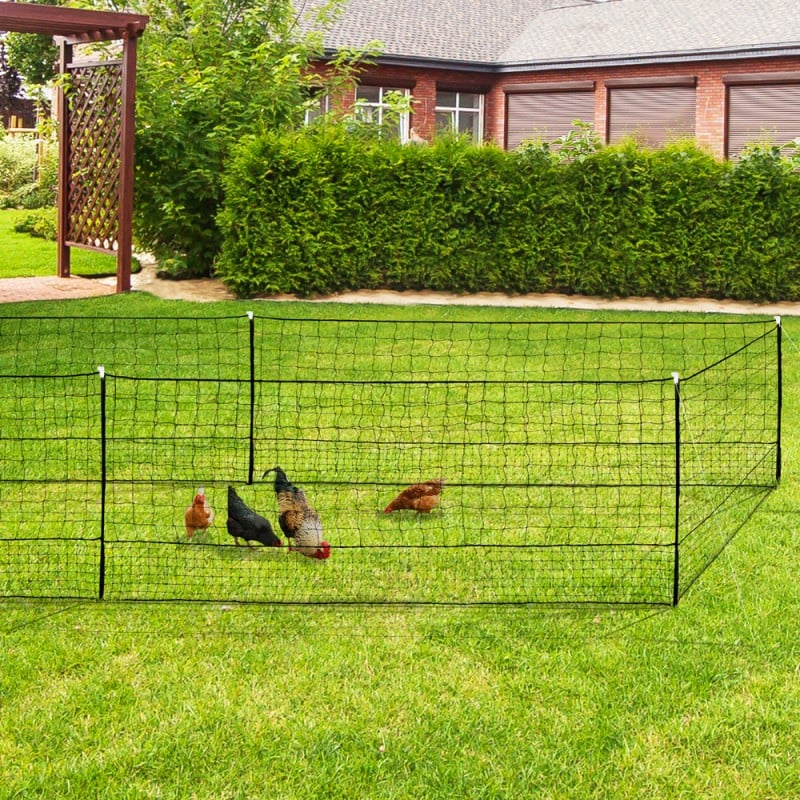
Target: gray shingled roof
545,32
444,30
626,28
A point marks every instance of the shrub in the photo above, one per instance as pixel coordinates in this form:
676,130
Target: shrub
320,211
241,69
17,163
42,223
758,233
37,183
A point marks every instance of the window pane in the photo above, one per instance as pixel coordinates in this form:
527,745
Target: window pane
393,130
469,123
372,94
372,107
469,100
446,99
445,121
317,107
367,113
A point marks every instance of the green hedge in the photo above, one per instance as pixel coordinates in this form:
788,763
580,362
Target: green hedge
321,211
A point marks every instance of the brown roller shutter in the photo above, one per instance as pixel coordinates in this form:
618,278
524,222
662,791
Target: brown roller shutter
765,113
653,115
545,116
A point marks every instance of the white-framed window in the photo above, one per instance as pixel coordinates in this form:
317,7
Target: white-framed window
460,112
372,106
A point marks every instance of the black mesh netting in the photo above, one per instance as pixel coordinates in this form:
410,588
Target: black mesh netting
577,467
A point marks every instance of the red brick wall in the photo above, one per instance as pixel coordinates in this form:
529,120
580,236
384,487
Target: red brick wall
710,97
710,113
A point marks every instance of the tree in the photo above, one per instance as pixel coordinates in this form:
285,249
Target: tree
210,71
34,55
10,82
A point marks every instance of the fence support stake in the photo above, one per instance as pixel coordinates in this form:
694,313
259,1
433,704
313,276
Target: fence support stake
101,588
676,564
779,400
252,458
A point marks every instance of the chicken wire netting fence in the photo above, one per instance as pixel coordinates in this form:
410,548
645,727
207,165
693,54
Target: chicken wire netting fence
582,461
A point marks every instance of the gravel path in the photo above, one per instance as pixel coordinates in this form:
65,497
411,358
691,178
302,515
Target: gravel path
210,289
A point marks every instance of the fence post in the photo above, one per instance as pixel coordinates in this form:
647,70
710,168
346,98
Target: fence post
102,566
251,462
779,400
676,557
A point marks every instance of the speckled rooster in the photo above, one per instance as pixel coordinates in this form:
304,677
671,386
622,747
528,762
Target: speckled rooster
298,520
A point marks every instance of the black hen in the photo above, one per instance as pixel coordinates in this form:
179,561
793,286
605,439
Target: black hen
244,523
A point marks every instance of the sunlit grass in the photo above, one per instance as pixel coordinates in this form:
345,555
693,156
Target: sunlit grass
25,256
196,700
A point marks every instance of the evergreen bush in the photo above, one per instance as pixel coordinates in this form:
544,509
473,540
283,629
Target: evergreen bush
320,211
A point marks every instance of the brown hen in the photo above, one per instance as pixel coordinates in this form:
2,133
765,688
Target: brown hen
199,515
422,497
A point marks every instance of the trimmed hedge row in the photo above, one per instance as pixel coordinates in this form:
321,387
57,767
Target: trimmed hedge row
320,212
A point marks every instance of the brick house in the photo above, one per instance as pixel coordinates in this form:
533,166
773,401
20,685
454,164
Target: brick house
726,72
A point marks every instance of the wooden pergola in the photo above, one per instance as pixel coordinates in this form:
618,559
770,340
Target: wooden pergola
96,128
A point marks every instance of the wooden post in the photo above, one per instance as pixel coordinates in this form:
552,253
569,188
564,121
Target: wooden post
64,171
125,210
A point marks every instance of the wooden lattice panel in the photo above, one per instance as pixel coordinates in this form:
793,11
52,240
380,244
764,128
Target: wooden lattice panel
94,130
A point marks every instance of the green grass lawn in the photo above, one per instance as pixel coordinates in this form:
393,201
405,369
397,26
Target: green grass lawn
136,700
25,256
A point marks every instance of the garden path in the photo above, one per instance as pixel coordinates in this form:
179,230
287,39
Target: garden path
14,290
